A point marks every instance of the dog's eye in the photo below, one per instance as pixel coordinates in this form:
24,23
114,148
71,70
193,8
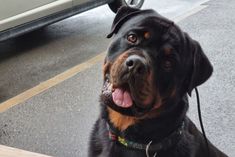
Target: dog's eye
132,38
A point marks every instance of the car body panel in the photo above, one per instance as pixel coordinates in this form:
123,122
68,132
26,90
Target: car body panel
11,16
36,13
78,2
9,8
52,11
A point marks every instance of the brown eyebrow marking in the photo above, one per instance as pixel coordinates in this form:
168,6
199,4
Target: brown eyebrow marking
146,35
167,51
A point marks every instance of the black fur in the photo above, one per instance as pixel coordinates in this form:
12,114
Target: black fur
190,68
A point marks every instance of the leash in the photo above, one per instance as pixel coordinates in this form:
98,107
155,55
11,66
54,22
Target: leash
201,123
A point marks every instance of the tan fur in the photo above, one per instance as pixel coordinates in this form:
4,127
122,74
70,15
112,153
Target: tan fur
120,121
146,35
106,67
155,111
167,51
117,68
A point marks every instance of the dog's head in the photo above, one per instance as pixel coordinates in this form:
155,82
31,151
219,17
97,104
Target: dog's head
150,63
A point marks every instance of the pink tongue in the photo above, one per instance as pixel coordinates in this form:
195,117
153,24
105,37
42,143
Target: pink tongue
122,98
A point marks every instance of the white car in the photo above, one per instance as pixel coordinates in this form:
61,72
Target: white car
21,16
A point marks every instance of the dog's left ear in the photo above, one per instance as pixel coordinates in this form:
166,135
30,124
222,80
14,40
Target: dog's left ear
123,14
202,68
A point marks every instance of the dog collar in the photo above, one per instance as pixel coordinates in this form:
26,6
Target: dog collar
154,146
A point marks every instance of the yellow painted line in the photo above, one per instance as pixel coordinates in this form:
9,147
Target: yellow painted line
50,83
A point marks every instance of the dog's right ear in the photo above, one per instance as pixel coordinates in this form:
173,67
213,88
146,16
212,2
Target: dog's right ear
124,13
202,68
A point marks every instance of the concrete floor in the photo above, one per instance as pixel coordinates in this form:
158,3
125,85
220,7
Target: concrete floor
58,121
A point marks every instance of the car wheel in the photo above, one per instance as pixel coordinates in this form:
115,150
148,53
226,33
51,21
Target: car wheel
116,4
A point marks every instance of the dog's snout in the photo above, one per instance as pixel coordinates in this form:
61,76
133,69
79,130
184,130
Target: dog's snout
136,64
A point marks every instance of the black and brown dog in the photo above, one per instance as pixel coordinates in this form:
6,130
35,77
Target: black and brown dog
150,67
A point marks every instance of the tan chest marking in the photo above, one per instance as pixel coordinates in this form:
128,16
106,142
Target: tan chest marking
120,121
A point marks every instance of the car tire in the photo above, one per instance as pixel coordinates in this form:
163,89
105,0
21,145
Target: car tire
116,4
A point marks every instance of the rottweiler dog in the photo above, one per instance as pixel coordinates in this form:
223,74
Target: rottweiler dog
150,68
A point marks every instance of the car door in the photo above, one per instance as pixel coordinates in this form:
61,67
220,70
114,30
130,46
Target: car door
10,8
78,2
88,4
17,12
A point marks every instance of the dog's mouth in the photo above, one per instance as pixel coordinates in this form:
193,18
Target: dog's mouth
122,96
125,95
127,98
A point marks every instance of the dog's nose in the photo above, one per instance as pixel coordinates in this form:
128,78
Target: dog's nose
136,64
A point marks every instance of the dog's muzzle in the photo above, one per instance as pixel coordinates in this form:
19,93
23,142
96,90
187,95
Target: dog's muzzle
128,88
